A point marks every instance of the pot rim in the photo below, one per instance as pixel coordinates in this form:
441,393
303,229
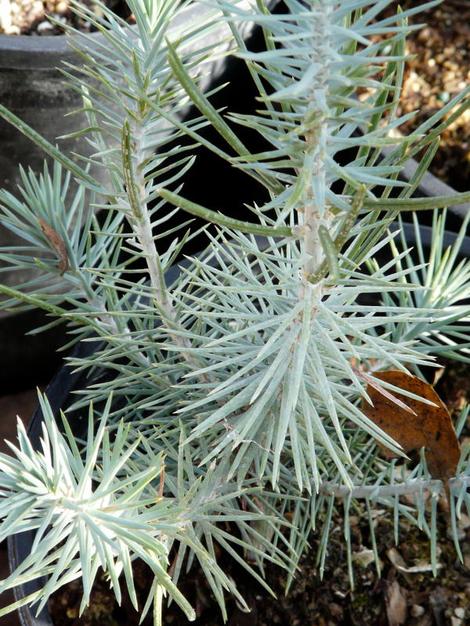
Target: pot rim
30,52
432,185
48,52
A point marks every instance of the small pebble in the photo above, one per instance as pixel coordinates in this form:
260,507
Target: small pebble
417,610
44,28
62,7
460,534
459,612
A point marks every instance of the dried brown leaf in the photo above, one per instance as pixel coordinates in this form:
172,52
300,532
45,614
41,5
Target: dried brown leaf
429,426
57,244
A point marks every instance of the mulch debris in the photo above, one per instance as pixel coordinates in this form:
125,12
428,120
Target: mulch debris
439,71
29,17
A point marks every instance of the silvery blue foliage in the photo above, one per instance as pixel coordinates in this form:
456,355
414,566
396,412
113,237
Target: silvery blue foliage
234,393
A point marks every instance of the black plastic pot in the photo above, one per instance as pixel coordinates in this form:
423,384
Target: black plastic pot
430,186
32,86
59,393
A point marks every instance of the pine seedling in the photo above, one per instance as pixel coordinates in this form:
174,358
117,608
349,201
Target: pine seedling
233,389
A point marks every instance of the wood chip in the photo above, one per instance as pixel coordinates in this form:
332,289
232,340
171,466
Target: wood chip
395,603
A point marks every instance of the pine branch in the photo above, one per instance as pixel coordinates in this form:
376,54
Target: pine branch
372,492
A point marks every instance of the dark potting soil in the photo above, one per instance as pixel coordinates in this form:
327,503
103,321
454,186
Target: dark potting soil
29,17
395,597
439,70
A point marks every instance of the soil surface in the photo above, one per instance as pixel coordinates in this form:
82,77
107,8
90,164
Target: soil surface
439,71
395,597
29,17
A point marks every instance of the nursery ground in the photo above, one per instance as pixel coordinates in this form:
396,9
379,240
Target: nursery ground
438,70
28,17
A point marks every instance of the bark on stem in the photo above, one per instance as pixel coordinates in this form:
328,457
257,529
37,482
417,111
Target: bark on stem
385,491
142,228
316,139
143,232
